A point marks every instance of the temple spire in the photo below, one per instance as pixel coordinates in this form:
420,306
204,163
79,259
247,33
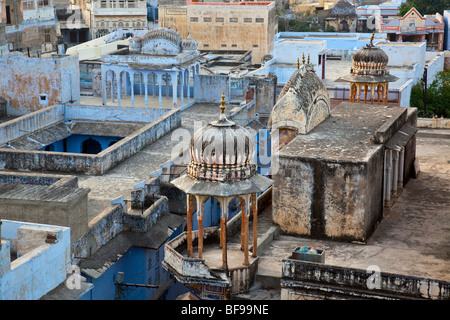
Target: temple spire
222,104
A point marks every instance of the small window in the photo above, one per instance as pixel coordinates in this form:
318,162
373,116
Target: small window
233,20
47,36
206,45
259,20
223,45
247,19
255,46
219,19
194,19
206,19
234,45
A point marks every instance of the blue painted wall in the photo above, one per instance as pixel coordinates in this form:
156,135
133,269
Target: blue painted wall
140,266
74,143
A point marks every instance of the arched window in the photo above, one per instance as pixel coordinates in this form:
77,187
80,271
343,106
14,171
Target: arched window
91,146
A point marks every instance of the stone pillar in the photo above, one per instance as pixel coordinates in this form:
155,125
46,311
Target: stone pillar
200,211
140,83
146,89
154,85
223,236
104,86
160,80
190,206
174,78
255,225
113,76
119,88
242,222
182,87
188,86
132,88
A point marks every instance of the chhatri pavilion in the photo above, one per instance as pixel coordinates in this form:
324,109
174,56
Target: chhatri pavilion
158,63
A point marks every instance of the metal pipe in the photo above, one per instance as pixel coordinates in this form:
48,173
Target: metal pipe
388,182
394,172
401,167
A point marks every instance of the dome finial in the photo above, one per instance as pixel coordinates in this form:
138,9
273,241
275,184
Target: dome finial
371,39
303,58
308,58
298,63
222,104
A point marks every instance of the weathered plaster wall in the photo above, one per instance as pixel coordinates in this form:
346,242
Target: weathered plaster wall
265,91
38,271
314,281
71,214
209,88
293,190
24,79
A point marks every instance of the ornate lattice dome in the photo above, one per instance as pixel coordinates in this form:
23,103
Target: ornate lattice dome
370,60
222,151
189,43
342,9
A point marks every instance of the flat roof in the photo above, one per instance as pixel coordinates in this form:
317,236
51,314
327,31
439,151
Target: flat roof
344,136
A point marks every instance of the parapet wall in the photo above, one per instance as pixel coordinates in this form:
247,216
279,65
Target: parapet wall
11,159
312,281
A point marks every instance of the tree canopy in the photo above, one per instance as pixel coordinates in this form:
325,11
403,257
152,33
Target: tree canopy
424,6
437,97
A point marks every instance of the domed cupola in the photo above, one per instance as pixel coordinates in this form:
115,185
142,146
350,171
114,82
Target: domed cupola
222,151
189,44
369,76
370,60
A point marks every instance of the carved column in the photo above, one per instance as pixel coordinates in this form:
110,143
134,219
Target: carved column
255,225
119,88
174,78
160,80
190,209
132,88
182,87
188,86
104,73
146,89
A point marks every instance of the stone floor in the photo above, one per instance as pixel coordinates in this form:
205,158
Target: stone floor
414,237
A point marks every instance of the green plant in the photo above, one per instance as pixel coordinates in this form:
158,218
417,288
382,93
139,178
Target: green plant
437,100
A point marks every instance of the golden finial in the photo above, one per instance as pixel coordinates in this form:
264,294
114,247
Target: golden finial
308,58
222,103
303,58
298,63
371,39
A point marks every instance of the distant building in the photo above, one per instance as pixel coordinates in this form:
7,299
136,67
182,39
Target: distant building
30,84
3,44
342,17
104,17
223,26
446,18
413,27
310,5
387,10
31,25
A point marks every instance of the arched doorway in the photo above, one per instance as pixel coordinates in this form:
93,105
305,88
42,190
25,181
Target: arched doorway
91,146
343,26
